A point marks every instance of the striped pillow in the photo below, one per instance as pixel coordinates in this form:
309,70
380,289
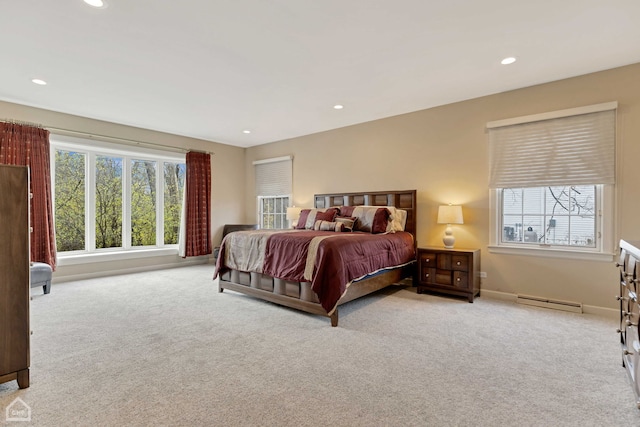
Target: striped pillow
328,226
371,219
308,217
348,222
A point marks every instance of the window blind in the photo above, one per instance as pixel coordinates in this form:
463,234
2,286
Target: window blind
274,176
570,150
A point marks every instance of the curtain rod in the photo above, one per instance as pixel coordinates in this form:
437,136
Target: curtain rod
127,141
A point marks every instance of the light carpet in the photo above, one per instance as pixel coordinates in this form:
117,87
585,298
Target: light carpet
164,348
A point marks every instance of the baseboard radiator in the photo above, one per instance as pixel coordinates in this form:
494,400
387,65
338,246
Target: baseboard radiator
574,307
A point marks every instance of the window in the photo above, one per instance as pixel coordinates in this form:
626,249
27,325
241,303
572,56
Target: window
70,207
108,201
174,179
143,202
112,198
273,191
552,178
563,216
272,211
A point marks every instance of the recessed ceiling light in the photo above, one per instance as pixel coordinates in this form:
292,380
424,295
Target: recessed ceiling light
246,131
509,60
338,107
39,82
96,3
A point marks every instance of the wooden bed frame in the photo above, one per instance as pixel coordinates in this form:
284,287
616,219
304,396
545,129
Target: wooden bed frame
405,200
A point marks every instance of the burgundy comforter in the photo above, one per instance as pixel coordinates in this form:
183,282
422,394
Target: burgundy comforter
329,260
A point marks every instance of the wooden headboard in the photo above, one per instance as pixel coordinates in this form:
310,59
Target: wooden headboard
405,200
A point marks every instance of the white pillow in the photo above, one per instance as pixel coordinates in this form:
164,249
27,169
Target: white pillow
398,221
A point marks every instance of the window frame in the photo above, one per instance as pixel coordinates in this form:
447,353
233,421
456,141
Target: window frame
260,213
91,149
603,251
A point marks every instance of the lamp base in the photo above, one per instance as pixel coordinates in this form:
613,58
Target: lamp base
448,238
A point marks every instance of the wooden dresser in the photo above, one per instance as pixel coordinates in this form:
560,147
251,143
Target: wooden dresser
629,267
449,271
14,275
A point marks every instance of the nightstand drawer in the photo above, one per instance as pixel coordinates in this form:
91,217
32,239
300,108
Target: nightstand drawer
428,260
460,279
460,262
428,275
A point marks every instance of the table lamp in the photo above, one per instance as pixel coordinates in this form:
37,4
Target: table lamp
449,214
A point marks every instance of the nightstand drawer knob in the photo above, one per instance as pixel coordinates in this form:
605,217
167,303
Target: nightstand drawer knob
458,263
458,279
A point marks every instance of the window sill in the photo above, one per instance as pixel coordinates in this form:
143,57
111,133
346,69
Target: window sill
95,257
552,253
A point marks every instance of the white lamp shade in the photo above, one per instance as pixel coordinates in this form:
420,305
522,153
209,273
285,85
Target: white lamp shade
450,214
293,213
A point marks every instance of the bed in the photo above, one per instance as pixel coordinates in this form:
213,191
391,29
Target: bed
314,268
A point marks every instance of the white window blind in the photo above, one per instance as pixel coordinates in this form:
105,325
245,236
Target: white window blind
569,150
273,176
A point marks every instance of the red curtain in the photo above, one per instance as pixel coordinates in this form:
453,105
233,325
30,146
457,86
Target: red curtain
198,204
27,145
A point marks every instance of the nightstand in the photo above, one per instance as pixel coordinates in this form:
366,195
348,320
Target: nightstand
449,271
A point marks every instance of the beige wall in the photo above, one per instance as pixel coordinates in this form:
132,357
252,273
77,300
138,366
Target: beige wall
227,174
442,152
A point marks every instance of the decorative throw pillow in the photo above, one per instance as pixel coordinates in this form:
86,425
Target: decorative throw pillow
371,219
321,225
346,211
308,217
379,220
348,222
327,215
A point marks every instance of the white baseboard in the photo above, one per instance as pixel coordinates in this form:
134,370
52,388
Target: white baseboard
503,296
105,273
609,313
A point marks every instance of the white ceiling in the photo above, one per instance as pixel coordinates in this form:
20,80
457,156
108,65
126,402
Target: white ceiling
210,69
